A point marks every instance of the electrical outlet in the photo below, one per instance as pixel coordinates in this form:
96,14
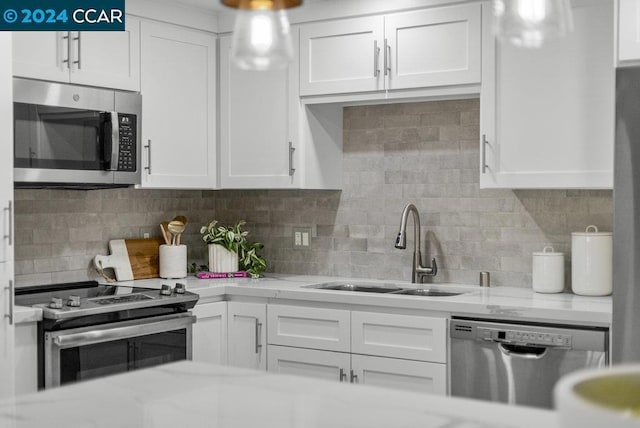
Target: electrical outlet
302,237
145,235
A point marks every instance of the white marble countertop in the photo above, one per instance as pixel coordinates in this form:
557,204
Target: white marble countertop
491,302
188,394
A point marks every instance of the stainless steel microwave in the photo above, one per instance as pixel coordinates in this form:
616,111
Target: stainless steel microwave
75,136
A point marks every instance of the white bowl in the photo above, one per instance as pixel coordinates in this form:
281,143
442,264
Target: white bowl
599,398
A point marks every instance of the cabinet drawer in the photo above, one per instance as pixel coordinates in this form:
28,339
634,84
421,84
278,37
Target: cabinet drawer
399,336
308,327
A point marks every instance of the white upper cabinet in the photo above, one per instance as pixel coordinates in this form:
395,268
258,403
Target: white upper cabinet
178,86
628,21
434,47
259,133
341,56
547,115
426,48
107,59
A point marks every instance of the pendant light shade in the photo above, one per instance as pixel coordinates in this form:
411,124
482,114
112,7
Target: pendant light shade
529,23
261,36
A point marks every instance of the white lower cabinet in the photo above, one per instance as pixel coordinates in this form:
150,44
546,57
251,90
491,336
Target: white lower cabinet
246,330
417,376
327,365
399,351
26,358
210,333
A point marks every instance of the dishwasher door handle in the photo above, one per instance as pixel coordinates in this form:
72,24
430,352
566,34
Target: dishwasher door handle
523,351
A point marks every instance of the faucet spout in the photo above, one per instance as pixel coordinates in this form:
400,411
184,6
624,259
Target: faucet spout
417,271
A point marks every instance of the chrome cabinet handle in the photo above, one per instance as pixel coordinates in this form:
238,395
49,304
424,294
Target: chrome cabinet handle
148,147
387,58
354,377
11,292
291,150
343,375
258,334
484,153
79,60
67,60
376,58
9,235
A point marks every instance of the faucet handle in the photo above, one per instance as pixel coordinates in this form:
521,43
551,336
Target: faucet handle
434,267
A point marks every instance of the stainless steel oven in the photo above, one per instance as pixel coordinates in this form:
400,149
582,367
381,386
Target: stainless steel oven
96,330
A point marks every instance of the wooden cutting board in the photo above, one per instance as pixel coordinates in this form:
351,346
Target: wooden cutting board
144,257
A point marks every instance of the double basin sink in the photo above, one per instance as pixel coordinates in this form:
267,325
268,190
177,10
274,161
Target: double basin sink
370,287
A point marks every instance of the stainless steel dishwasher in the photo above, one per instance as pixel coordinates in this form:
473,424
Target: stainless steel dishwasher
519,363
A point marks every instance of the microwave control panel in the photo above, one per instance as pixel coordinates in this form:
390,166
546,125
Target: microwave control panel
127,158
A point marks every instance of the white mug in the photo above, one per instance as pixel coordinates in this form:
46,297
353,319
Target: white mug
548,271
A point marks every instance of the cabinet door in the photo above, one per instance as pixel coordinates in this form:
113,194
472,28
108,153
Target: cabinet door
6,328
247,335
399,336
341,56
41,55
108,58
309,362
628,30
258,125
26,358
416,376
210,333
318,328
547,115
178,86
434,47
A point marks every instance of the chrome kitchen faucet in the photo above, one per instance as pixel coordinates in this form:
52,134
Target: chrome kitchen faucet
417,270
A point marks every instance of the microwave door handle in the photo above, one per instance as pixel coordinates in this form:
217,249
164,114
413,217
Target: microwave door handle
115,141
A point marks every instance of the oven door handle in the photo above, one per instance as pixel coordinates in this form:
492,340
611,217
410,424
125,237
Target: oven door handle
140,328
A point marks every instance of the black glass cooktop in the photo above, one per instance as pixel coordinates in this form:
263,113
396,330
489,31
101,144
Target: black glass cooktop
29,296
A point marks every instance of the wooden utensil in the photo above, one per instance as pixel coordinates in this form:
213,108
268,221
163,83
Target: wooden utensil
163,228
176,228
183,220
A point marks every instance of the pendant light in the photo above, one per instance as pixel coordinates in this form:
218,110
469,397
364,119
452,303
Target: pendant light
261,38
529,23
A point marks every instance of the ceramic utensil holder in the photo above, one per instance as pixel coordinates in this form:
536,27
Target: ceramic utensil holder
548,271
592,262
173,261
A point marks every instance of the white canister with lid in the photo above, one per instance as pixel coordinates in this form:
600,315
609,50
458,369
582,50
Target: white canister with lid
548,271
592,262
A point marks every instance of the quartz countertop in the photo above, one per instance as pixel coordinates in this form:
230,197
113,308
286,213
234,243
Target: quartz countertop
188,394
501,302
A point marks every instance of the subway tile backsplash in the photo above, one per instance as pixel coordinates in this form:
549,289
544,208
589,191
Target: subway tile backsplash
424,153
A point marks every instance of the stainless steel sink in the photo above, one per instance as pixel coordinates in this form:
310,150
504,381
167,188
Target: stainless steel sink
359,287
374,287
427,292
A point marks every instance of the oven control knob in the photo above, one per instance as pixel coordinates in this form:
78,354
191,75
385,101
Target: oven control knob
165,290
74,301
56,303
180,288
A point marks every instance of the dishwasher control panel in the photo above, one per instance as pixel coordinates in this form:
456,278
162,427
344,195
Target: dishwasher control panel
511,334
524,337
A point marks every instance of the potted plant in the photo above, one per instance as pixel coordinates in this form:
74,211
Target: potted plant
229,250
